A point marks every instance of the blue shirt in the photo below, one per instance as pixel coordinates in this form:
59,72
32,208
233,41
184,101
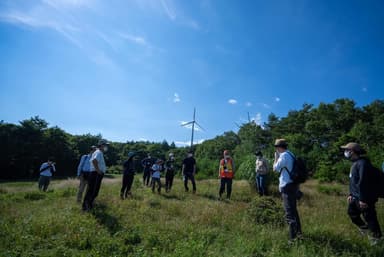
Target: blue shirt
284,162
156,171
99,157
84,165
45,171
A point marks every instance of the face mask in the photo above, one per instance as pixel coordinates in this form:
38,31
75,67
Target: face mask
105,148
226,156
347,154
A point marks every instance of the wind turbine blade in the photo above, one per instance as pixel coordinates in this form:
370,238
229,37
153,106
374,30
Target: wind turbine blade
186,123
199,126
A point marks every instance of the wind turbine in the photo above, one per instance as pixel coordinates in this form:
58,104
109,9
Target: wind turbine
193,122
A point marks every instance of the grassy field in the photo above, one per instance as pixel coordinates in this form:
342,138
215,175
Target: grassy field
175,224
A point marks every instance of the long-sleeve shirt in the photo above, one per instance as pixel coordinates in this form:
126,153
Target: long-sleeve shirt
84,165
361,181
284,162
47,169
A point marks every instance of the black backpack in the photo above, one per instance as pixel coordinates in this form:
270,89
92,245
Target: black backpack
378,178
299,172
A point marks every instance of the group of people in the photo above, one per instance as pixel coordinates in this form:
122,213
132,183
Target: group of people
361,199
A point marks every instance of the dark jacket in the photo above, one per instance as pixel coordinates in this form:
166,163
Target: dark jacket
362,180
128,166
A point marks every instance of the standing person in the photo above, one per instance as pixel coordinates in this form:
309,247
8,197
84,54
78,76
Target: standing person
83,171
362,196
157,167
147,165
128,176
46,172
261,169
98,169
283,164
189,171
226,174
169,172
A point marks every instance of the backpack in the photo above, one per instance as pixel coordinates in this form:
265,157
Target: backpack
378,176
299,172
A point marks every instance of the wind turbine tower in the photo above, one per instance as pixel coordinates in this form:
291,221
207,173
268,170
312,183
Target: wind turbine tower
193,122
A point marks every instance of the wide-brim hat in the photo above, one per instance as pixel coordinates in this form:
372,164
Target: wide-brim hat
102,142
280,143
354,147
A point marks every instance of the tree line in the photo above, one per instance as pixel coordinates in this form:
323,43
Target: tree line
314,133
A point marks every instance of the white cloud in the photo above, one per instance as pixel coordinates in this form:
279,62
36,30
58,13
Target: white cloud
364,89
257,119
68,3
168,8
188,143
232,101
176,98
135,39
266,105
277,99
248,104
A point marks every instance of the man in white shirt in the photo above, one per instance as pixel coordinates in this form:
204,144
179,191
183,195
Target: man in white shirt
83,171
98,169
283,164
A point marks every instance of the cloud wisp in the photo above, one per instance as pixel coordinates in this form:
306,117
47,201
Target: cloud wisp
176,98
232,101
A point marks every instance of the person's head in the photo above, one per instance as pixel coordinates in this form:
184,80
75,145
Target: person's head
190,154
259,154
131,155
51,160
92,149
149,155
281,145
352,150
103,145
226,154
171,156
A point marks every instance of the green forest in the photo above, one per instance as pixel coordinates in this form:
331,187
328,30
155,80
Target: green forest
314,133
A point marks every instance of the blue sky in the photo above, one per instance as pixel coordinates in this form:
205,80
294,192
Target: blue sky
135,69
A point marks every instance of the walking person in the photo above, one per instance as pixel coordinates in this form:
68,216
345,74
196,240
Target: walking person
261,168
189,172
147,172
362,196
226,174
156,175
98,169
46,171
83,171
169,172
128,176
283,164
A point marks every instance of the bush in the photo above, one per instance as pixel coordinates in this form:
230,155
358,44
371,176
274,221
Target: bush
34,196
264,210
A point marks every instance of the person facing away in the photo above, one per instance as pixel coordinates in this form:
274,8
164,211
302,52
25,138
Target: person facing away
128,176
362,196
283,164
169,172
46,171
261,168
156,175
147,165
83,171
98,169
226,174
189,170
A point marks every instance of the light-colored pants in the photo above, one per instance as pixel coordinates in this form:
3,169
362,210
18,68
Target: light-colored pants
83,183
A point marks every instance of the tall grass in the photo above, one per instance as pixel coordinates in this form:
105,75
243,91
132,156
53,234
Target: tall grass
176,223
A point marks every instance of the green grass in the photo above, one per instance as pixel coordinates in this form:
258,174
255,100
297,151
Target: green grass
176,224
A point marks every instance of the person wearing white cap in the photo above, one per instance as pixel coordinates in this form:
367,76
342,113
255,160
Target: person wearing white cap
98,169
128,176
362,196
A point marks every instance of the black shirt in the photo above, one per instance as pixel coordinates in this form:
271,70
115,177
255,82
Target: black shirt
189,163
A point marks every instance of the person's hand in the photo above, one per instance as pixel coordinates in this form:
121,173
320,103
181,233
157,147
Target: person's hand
363,205
349,199
276,155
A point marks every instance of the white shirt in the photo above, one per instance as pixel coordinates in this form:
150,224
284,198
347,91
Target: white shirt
284,161
156,171
98,155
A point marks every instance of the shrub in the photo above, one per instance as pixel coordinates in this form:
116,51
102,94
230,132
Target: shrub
34,196
265,210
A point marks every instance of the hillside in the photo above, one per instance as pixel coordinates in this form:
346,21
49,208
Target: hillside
174,224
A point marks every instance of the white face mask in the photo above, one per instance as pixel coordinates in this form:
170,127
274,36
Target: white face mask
105,149
347,154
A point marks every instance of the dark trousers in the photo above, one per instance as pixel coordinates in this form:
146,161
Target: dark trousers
146,177
44,182
94,183
289,195
158,182
127,184
260,182
169,180
226,182
369,214
189,176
